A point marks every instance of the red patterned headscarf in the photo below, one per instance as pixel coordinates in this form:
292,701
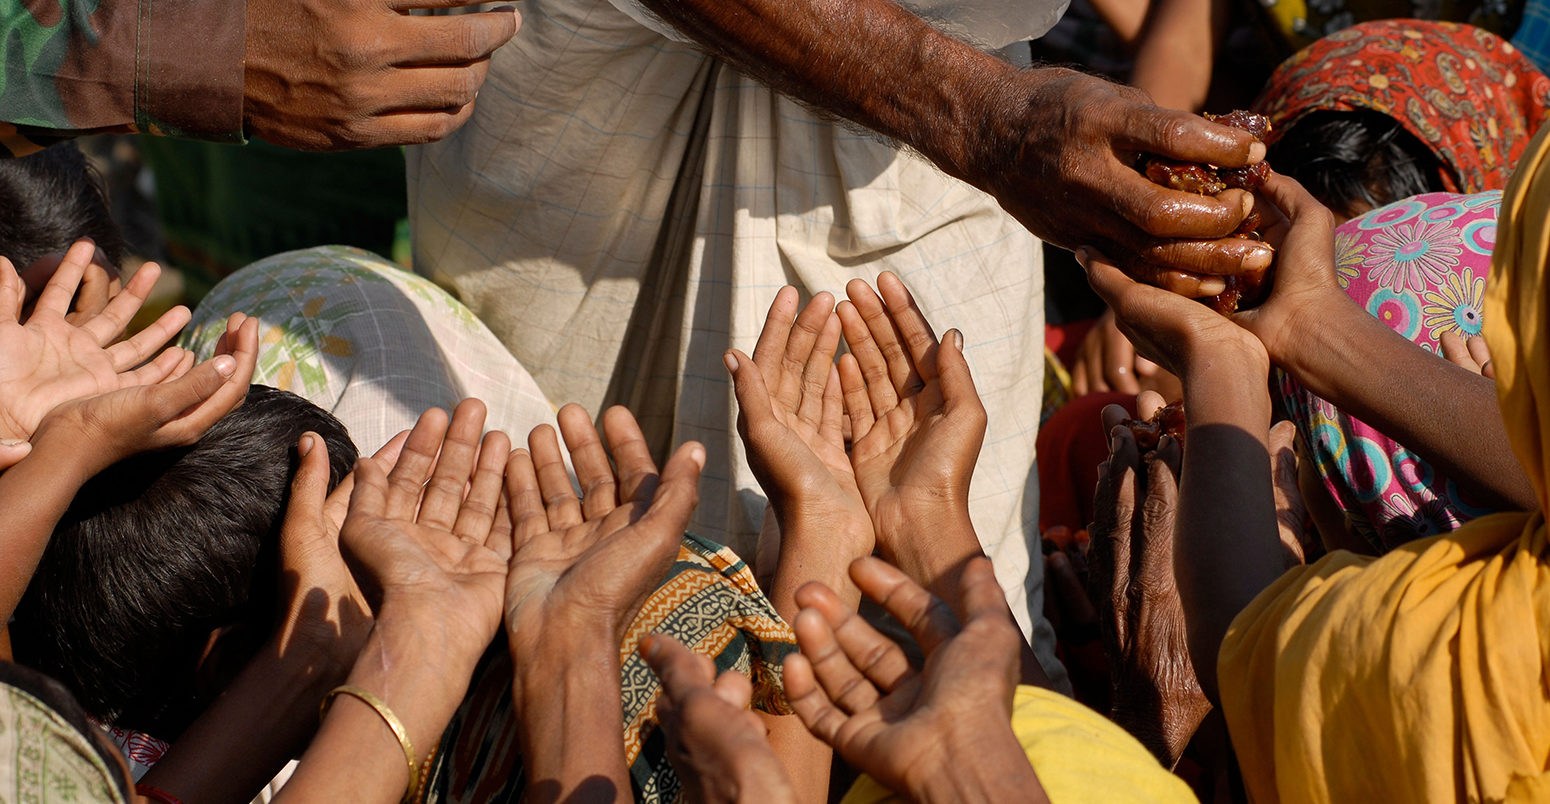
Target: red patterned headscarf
1465,92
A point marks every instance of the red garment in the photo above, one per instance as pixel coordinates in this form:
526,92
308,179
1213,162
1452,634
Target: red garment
1465,92
1070,447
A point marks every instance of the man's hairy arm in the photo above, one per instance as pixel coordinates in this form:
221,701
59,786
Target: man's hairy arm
1055,147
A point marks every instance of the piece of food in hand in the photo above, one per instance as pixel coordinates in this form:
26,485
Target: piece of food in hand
1167,421
1243,290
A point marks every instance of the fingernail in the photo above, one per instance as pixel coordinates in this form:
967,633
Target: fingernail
1114,442
305,446
957,339
697,454
1256,153
225,365
731,361
1083,254
1259,259
1247,205
1212,285
12,442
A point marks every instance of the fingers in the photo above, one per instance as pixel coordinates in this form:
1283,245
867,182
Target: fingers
842,681
524,500
792,378
1157,518
874,655
635,467
754,406
1113,416
209,390
442,500
886,341
1119,360
831,424
60,290
1193,266
1191,138
982,595
478,515
911,324
858,400
337,505
1454,350
1148,403
808,700
680,670
136,349
407,479
1482,355
92,298
370,495
309,488
777,331
560,504
676,497
166,366
1116,507
451,39
12,292
959,397
819,360
12,451
599,492
115,316
927,618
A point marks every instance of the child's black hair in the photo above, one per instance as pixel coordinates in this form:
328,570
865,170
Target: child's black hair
51,199
161,550
1350,158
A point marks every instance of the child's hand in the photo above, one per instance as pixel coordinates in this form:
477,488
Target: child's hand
426,536
916,732
49,359
916,425
715,742
582,568
791,419
180,402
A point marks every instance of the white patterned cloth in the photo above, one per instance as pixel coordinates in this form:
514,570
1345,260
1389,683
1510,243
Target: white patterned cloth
370,342
622,208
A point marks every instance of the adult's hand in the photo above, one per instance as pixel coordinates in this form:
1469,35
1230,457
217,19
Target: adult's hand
946,727
1106,361
1068,172
339,74
1156,695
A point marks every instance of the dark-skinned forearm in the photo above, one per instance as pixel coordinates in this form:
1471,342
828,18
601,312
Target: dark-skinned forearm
1446,414
869,61
37,491
1226,548
570,724
260,722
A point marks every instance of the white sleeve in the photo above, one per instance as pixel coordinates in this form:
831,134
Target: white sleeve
991,24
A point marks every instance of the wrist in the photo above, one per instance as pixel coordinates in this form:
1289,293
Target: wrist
988,765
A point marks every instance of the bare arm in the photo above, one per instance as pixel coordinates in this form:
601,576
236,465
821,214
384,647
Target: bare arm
1446,414
1025,136
1177,51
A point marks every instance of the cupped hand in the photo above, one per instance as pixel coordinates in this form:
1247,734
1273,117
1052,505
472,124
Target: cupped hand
791,417
1470,353
1166,328
718,746
582,568
1072,179
855,689
1304,295
48,359
916,421
1155,694
427,536
340,74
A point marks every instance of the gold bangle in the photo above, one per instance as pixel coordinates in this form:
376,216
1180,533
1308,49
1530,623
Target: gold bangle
392,721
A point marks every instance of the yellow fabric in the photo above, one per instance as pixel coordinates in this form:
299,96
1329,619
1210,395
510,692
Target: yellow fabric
1078,754
1420,675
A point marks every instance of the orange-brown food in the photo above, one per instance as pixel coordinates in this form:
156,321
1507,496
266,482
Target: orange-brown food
1168,420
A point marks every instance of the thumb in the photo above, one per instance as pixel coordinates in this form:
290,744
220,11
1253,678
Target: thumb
678,491
309,488
753,397
953,371
12,451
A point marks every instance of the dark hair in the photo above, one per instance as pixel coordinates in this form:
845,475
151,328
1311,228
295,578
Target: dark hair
162,549
1346,158
51,199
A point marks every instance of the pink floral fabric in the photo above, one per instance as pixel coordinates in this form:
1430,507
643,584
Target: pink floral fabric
1420,266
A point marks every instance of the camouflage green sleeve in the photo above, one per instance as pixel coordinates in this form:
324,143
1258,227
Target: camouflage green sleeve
71,67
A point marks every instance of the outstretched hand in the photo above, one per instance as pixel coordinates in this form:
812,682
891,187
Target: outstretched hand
53,357
427,534
790,416
916,421
582,568
914,730
715,742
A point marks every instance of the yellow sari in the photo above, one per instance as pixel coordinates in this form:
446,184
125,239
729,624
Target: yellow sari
1421,675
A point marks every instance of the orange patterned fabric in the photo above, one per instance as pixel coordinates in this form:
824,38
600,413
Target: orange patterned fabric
1465,92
